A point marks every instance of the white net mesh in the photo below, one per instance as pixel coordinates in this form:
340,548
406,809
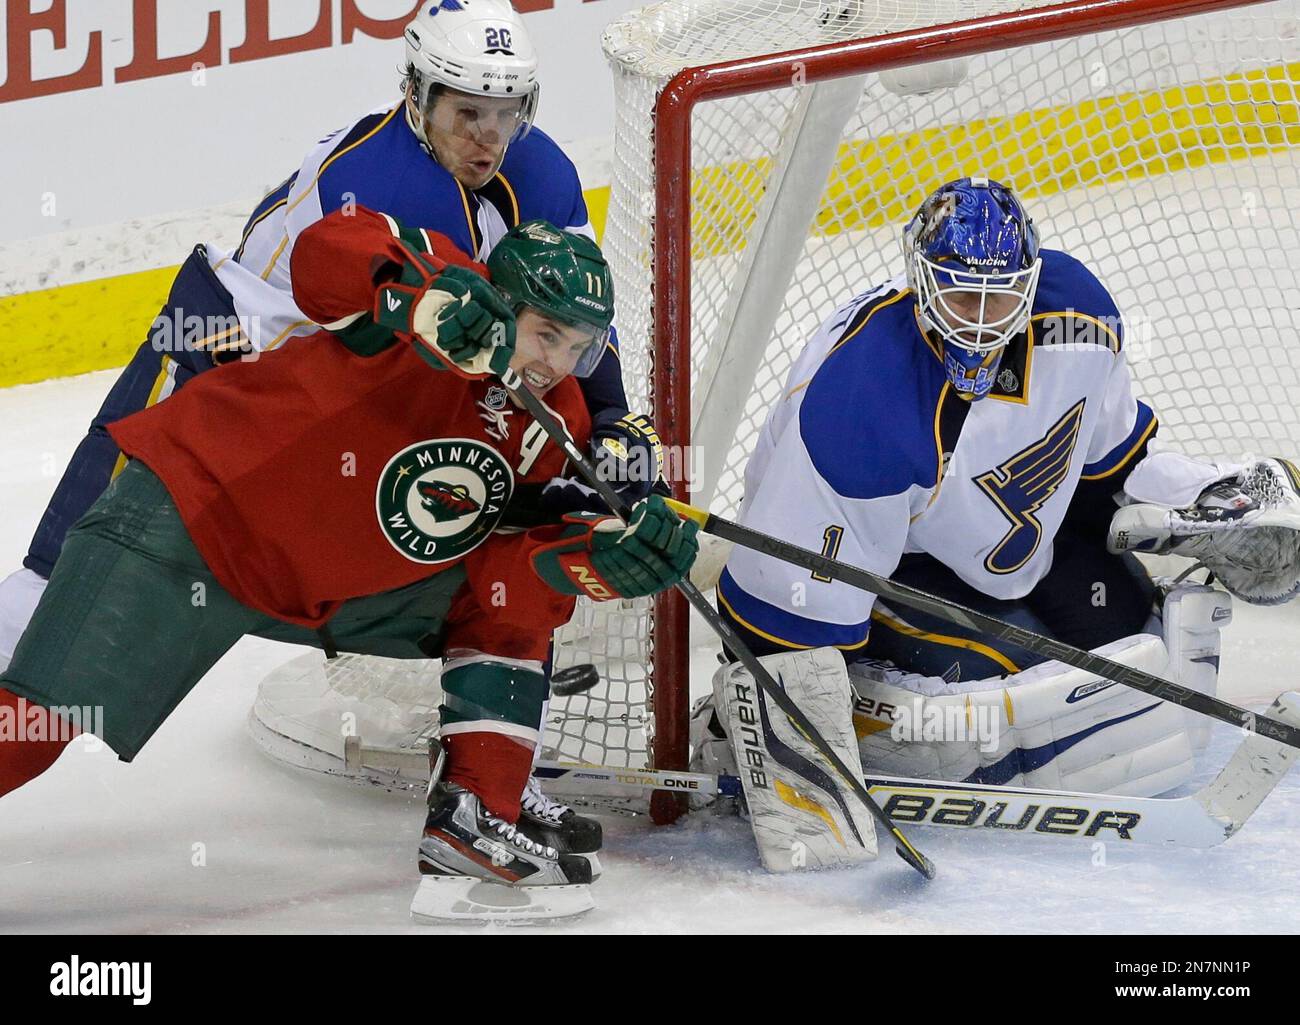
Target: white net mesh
1164,156
611,724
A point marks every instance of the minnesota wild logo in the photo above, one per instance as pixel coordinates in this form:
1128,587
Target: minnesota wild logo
439,500
447,501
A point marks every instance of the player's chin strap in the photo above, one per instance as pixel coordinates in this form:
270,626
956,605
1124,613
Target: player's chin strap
514,383
854,576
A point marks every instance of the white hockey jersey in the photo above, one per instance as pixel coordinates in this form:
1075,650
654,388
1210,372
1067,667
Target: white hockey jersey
870,454
377,162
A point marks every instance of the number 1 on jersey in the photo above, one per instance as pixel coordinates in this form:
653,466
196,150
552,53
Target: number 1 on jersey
831,538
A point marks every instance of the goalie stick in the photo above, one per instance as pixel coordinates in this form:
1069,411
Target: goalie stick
1148,683
514,383
1206,818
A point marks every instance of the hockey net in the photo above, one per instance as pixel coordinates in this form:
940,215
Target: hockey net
1154,139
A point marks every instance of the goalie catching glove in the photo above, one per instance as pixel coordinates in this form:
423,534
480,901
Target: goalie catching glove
601,557
1244,528
456,319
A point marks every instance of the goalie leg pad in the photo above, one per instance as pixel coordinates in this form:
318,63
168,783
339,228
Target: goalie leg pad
803,814
1051,727
1194,616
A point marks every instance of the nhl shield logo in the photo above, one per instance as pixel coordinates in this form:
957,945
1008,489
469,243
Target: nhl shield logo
439,500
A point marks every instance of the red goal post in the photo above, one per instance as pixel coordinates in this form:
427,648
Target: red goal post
674,163
766,154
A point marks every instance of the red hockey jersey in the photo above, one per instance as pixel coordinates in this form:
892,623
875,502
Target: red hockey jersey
316,474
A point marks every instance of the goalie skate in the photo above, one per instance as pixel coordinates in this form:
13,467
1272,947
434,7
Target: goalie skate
463,900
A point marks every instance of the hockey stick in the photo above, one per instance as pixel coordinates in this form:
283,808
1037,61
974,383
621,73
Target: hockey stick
1204,819
1148,683
515,385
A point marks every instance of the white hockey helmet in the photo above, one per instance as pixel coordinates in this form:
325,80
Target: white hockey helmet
479,47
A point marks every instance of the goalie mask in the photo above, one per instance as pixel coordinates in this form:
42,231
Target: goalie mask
973,264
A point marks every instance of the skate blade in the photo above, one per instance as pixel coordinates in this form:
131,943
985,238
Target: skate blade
462,900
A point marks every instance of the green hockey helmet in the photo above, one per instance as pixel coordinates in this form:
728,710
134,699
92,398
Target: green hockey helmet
560,274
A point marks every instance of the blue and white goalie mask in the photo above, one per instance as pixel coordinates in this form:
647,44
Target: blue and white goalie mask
973,264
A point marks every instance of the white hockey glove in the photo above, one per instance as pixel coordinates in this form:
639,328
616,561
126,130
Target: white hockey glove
1244,528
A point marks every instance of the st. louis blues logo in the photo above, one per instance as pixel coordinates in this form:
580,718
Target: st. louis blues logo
445,5
1023,484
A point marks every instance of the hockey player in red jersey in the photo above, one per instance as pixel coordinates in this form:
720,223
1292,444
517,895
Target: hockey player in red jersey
352,490
458,154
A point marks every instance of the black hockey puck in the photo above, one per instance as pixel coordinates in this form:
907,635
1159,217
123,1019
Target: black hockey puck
575,680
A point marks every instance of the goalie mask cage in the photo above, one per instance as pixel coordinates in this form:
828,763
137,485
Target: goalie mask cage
767,154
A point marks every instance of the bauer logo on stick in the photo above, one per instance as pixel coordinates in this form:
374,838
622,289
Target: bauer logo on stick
439,500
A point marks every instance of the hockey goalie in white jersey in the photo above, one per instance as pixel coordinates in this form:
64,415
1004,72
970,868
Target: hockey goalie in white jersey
970,429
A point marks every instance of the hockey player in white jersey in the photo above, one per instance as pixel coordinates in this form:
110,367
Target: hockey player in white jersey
459,155
970,429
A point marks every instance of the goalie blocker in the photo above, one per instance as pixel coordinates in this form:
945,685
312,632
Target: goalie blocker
1050,727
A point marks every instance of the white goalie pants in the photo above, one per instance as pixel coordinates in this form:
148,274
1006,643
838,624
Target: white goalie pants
1050,726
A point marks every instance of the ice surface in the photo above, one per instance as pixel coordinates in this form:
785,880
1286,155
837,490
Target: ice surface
202,833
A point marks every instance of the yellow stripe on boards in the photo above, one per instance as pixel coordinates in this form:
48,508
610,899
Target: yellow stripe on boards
597,209
78,328
59,332
98,325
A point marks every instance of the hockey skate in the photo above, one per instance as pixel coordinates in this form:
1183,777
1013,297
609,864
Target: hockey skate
477,868
558,825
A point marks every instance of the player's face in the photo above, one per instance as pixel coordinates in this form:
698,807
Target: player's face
469,133
959,309
546,350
